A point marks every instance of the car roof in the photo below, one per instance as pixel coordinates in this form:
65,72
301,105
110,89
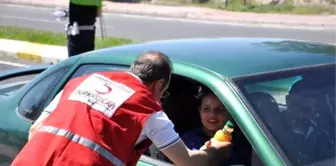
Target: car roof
230,57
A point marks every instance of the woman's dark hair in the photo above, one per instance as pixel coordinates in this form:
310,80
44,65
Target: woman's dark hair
202,92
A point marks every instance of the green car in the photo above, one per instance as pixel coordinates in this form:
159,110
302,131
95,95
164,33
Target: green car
280,93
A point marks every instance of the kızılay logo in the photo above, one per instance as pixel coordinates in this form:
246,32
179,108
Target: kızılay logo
107,91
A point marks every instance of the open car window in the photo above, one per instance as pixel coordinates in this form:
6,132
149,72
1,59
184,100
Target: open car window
298,108
182,107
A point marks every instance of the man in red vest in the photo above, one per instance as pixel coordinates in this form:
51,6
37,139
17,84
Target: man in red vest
111,118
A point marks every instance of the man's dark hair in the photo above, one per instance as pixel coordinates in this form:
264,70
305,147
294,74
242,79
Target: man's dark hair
152,66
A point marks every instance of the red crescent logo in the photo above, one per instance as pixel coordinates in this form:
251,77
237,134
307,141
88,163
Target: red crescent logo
109,90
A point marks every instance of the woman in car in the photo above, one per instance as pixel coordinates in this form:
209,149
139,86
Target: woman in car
213,118
214,115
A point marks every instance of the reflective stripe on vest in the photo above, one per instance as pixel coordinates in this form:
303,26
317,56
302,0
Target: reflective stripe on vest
83,141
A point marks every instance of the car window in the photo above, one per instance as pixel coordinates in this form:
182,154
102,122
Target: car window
298,108
184,102
88,69
30,105
277,88
91,68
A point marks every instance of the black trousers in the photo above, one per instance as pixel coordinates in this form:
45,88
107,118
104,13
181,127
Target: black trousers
85,40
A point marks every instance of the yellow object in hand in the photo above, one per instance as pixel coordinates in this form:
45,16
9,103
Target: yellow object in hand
225,135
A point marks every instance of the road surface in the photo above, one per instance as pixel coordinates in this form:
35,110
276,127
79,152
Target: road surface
149,28
7,63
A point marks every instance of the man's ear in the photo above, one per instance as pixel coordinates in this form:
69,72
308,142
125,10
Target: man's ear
151,86
159,84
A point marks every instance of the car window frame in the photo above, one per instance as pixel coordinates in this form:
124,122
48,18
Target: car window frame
40,108
235,89
144,159
220,84
262,125
225,105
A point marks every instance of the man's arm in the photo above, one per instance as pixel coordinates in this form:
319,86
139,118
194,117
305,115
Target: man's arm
37,124
207,155
160,130
44,115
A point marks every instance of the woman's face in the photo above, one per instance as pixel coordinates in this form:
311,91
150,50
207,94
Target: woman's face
213,113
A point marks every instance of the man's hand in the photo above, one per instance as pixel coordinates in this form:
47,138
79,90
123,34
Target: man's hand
33,129
214,152
215,144
219,150
37,124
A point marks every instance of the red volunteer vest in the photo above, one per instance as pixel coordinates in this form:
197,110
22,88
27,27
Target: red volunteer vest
97,122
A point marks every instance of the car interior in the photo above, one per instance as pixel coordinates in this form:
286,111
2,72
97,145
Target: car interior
183,104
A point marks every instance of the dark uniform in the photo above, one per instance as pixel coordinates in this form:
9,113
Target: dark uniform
81,28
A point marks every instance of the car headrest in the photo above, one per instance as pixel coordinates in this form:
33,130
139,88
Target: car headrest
264,102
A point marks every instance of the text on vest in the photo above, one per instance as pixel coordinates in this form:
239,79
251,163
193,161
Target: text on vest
102,94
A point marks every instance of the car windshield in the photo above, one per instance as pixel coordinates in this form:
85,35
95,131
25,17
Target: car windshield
298,108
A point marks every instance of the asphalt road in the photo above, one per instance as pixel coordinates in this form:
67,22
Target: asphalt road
149,28
7,63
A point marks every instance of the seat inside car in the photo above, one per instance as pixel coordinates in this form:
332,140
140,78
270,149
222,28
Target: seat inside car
268,107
